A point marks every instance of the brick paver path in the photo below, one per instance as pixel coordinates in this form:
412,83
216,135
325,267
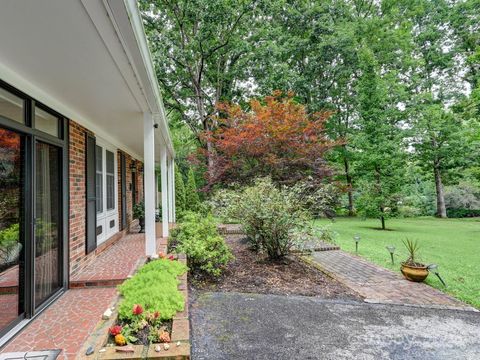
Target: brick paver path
378,285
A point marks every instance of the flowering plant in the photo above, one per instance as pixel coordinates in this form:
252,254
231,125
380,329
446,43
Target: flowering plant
137,309
115,330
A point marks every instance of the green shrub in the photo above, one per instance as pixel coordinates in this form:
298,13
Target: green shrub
274,219
154,287
192,200
179,191
197,237
9,242
463,213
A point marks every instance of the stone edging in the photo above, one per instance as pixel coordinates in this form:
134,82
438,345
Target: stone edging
180,335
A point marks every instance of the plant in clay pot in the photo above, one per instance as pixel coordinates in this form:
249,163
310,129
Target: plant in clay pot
412,269
139,213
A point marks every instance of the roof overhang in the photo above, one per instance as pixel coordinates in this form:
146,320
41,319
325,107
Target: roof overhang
90,61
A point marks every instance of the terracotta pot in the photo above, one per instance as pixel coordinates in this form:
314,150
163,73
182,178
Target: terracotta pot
414,273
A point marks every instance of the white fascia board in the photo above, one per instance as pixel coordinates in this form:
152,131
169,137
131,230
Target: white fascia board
128,24
31,90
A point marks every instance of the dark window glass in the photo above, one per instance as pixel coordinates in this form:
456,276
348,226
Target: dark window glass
11,234
46,122
99,178
11,106
110,174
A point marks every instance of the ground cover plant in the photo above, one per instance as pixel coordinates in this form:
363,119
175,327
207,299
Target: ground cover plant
452,244
150,299
197,236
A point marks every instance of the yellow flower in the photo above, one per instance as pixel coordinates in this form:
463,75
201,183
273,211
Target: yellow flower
120,340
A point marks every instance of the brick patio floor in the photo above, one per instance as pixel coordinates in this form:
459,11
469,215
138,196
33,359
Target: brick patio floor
68,322
379,285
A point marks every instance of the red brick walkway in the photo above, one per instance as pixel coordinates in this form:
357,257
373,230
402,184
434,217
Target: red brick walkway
378,285
68,322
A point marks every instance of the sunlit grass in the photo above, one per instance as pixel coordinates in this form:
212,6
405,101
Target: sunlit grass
453,244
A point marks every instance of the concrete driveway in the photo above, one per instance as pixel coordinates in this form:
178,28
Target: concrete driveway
251,326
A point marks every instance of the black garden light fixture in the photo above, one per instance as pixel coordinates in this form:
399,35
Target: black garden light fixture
391,250
434,268
133,166
357,238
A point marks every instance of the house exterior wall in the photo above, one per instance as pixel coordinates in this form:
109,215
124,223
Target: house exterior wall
77,203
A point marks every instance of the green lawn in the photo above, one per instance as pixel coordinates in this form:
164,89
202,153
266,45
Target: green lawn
453,244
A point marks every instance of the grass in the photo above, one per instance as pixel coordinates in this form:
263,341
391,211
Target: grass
452,244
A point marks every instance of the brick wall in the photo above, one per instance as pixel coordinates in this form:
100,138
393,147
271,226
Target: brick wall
77,219
78,259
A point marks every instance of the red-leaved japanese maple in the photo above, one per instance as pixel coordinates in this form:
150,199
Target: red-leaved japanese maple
276,137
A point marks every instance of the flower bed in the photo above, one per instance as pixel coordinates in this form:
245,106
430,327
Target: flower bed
151,317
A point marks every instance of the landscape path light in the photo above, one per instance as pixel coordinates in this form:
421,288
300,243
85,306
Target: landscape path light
391,250
356,237
434,268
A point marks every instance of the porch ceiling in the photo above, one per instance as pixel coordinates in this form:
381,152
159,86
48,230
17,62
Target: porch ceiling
83,59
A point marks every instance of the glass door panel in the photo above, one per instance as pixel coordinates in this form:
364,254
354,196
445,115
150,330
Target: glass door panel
48,195
12,283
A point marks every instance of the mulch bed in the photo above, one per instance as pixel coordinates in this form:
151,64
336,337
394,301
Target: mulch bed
251,272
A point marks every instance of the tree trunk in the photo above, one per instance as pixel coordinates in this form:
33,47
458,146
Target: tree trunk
383,222
350,187
202,114
441,210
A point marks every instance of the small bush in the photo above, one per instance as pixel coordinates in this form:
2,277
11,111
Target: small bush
463,213
197,237
273,218
154,287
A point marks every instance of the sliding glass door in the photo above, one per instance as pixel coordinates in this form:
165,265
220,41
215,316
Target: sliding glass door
47,221
12,244
33,206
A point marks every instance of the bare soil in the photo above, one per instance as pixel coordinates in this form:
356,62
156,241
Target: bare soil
251,272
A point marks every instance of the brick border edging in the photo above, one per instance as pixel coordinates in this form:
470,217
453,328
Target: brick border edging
180,333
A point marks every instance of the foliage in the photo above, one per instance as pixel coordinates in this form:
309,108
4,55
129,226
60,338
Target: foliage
445,242
154,288
412,249
462,196
180,191
139,210
277,138
220,203
192,199
463,213
197,237
9,241
272,217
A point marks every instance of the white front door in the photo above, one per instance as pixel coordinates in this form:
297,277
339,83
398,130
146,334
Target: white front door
107,190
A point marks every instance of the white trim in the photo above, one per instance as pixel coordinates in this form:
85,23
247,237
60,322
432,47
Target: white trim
164,174
150,188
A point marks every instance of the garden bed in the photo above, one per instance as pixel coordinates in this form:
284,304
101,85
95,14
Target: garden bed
251,272
157,337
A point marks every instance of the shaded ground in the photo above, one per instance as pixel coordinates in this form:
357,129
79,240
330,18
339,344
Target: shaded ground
253,326
252,273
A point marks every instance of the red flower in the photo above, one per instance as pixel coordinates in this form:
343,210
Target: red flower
161,255
156,314
171,257
115,330
137,309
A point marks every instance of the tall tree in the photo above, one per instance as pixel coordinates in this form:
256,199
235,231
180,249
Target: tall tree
180,192
198,47
192,200
380,154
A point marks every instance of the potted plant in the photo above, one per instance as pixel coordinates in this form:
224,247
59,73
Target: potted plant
139,213
411,269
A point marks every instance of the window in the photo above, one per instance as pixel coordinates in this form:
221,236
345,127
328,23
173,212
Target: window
110,157
99,178
11,106
46,122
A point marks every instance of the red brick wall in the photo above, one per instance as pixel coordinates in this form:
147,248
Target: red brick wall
78,259
77,220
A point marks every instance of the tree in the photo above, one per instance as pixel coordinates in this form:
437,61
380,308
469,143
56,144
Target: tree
276,137
380,154
180,193
198,48
192,200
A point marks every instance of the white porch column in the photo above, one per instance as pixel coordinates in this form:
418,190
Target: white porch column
150,188
170,190
173,192
164,180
